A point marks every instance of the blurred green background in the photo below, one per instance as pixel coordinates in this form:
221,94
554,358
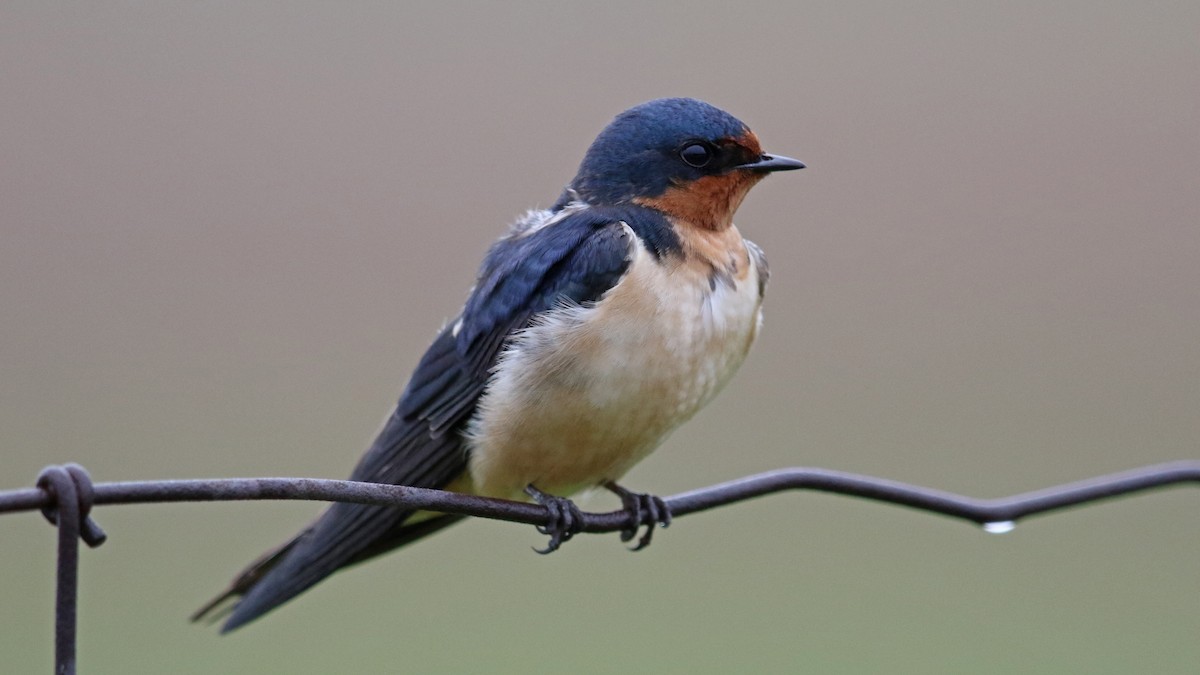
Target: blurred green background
229,230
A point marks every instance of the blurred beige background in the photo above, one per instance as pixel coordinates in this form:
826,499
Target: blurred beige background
227,232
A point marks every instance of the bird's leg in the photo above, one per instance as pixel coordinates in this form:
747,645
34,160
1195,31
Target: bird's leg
643,508
566,520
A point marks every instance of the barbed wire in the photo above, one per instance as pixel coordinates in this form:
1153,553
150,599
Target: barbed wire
66,494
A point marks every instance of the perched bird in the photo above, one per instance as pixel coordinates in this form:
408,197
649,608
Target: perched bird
594,329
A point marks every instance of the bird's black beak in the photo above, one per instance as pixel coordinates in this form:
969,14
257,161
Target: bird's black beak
772,163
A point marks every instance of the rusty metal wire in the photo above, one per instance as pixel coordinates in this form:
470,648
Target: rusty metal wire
65,495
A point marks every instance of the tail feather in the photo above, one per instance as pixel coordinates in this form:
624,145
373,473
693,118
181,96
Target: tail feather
287,571
243,582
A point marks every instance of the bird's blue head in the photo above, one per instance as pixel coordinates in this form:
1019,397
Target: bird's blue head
679,155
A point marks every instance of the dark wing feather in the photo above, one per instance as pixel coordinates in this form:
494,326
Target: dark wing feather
575,260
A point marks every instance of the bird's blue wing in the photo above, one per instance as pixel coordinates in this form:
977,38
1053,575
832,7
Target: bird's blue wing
575,259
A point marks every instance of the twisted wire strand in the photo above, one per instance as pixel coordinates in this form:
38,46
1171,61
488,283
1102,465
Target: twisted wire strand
980,511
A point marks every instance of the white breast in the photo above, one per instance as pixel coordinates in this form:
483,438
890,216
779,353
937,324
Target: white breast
587,392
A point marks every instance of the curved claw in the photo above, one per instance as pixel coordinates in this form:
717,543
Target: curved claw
632,505
644,509
565,519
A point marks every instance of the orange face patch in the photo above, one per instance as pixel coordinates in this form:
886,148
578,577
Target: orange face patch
710,202
707,203
750,142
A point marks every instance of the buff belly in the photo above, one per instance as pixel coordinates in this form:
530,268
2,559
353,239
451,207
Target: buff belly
588,391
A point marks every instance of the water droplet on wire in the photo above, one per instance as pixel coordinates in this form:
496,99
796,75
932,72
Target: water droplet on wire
1000,527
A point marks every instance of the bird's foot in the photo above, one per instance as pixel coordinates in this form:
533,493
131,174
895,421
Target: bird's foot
644,509
566,520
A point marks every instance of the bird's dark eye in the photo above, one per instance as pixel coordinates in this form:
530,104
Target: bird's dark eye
696,154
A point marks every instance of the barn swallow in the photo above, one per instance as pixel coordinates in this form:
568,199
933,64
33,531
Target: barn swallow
594,329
